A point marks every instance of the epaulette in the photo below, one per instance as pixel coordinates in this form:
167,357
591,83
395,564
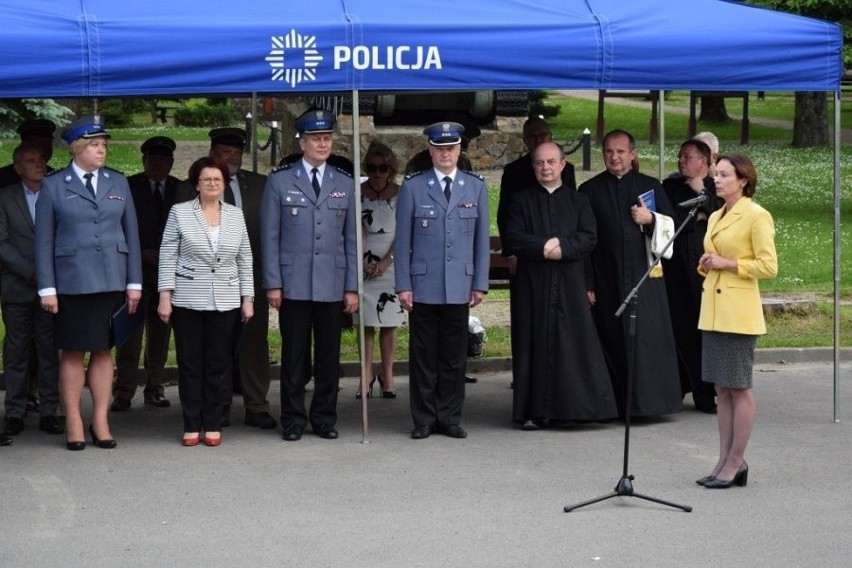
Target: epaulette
113,170
474,174
414,174
48,174
283,167
344,172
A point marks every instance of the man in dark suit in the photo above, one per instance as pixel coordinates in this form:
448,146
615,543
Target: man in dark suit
153,193
250,370
37,132
309,259
26,323
441,244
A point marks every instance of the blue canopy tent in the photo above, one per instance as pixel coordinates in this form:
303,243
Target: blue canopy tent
104,48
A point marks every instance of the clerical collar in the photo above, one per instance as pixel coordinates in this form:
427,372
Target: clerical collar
551,189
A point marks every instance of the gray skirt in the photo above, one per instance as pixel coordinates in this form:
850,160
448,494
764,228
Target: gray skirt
727,359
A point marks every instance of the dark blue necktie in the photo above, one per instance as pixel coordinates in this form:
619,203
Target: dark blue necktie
448,183
89,185
315,181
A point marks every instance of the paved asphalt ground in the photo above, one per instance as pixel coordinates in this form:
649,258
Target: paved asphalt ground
494,499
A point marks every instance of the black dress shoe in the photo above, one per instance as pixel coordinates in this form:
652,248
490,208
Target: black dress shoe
530,425
326,431
292,433
14,426
706,479
119,405
103,444
5,440
421,432
260,420
158,401
50,425
453,431
740,479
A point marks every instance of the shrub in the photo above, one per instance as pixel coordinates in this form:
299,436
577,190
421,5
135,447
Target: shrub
210,112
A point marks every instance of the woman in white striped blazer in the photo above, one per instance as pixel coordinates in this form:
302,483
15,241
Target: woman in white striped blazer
205,282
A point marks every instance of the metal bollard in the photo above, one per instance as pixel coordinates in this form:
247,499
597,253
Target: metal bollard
587,150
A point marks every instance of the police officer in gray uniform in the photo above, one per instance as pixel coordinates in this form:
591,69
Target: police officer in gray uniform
308,247
441,243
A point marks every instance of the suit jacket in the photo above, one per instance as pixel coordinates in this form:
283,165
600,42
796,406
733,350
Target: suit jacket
308,243
251,190
86,245
150,221
189,266
731,302
17,246
442,249
518,175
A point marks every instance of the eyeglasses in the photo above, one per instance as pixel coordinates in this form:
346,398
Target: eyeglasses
211,181
373,168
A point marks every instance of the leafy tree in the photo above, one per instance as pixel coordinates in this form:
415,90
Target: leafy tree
810,124
15,111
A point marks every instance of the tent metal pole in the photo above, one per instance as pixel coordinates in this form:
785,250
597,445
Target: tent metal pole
661,132
837,244
365,375
253,132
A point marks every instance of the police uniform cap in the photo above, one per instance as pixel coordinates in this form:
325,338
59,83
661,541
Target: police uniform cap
159,146
89,126
37,127
315,121
235,137
444,133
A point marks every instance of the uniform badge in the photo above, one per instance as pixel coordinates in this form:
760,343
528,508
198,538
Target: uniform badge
294,211
68,178
424,223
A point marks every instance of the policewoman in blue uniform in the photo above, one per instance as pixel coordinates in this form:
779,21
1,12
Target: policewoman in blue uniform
308,247
442,259
88,262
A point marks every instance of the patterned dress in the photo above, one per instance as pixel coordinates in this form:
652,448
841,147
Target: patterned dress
381,307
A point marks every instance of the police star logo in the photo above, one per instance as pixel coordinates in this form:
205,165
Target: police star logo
294,58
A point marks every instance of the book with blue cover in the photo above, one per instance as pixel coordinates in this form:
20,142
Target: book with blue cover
649,200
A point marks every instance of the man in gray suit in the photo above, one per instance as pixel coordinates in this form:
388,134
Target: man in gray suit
23,317
441,242
308,232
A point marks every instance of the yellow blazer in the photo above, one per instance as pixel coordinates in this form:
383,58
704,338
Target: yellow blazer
731,302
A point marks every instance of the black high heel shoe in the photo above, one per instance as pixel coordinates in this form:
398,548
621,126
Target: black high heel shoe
740,479
369,391
704,480
104,444
75,446
385,393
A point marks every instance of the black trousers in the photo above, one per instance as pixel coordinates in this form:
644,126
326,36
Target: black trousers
251,368
156,353
298,321
438,358
203,341
27,325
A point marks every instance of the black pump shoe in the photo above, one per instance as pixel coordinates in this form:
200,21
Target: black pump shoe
740,479
705,480
103,444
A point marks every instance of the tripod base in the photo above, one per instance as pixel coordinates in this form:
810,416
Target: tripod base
624,488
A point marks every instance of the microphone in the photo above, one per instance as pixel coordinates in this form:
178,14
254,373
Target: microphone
700,200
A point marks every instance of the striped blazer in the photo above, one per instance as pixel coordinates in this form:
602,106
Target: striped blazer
189,267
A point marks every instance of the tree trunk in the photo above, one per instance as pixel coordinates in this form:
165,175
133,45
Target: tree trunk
713,110
810,124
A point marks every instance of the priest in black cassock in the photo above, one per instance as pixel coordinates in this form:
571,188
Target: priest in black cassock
558,367
619,260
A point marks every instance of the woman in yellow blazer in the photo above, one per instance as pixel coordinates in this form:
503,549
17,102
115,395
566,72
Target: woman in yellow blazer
739,250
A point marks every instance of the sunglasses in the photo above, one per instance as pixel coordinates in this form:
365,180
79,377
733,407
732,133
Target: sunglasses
373,168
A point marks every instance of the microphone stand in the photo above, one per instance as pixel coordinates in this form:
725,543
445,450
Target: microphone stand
624,487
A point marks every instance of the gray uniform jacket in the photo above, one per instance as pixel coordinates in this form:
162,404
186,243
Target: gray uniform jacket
308,243
85,245
442,249
190,267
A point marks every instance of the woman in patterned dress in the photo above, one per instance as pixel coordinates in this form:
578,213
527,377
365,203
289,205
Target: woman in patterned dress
378,219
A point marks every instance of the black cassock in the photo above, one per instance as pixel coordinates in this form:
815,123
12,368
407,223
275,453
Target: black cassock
559,371
617,263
